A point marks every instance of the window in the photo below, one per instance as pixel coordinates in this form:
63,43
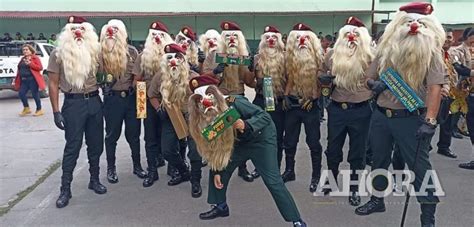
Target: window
48,49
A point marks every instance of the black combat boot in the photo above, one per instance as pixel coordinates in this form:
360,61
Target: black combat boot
467,165
94,183
244,174
97,187
138,170
196,190
64,196
255,174
315,179
314,184
289,174
374,205
151,177
299,223
335,174
354,198
112,175
180,178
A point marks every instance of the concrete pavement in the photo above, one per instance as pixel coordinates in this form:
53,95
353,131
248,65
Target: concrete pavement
129,204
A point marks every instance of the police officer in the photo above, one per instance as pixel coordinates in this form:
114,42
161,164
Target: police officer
145,69
303,65
119,95
466,70
72,68
392,122
232,77
349,111
270,64
255,140
447,127
168,89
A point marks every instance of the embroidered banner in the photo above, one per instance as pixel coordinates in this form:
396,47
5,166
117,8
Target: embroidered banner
141,99
220,124
268,94
233,59
404,93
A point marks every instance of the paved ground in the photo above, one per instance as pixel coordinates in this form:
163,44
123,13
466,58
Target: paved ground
29,145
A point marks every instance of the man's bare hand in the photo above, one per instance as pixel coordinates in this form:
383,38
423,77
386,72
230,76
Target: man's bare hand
239,125
217,182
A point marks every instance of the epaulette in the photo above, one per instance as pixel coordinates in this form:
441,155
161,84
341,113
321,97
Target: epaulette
230,99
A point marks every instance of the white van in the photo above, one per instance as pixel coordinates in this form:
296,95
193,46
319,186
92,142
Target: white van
10,55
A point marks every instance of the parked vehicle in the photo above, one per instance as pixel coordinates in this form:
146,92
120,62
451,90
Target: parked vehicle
10,55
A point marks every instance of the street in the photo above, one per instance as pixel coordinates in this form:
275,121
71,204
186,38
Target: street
29,145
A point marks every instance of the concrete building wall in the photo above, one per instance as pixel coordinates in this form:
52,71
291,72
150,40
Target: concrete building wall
252,26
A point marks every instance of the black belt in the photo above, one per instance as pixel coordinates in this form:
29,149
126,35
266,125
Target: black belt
81,95
390,113
122,94
349,105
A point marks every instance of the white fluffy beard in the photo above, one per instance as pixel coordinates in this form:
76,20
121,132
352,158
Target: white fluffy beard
219,151
411,55
204,44
272,63
191,54
303,64
174,83
152,52
115,54
350,60
241,48
79,60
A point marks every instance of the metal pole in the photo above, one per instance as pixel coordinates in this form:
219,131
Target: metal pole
407,200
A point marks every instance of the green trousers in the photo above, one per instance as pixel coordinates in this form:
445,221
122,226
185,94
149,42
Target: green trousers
264,157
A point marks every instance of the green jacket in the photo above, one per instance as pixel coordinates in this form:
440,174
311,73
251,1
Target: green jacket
259,127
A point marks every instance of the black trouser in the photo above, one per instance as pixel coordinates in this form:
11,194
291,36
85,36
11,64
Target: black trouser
82,117
445,132
29,84
152,125
470,116
384,133
294,118
342,122
117,110
278,117
171,150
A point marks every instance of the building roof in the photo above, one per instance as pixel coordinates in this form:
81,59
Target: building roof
64,14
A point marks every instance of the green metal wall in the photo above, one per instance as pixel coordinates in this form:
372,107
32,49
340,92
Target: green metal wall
252,26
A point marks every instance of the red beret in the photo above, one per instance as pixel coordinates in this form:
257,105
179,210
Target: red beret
202,80
174,48
424,8
188,32
354,21
159,26
227,26
270,28
301,27
76,20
